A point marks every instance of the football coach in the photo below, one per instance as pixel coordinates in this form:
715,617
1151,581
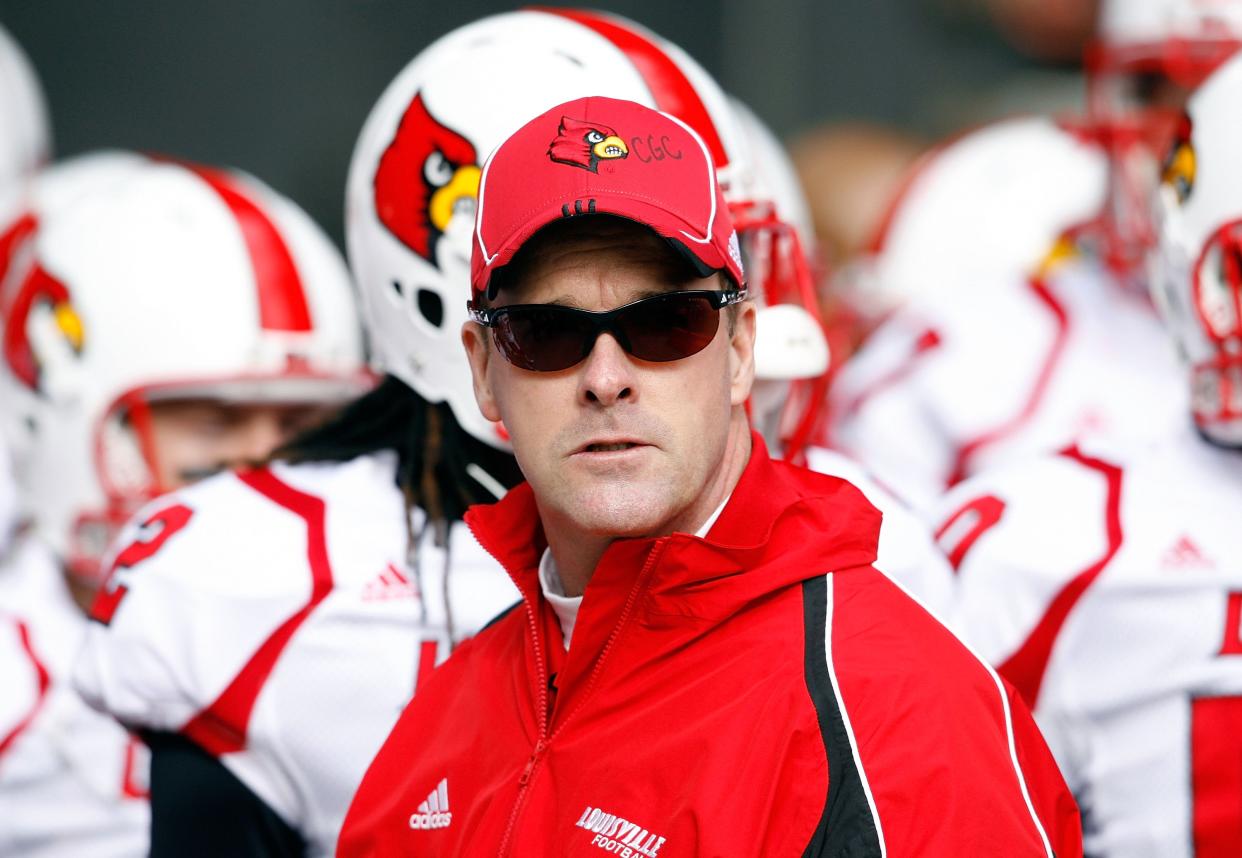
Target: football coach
705,661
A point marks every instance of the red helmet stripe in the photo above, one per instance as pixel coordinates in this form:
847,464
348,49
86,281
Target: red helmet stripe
282,298
671,89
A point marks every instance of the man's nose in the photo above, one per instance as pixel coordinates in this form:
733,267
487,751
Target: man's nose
607,373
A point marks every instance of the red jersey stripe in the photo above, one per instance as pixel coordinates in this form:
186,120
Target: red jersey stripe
221,727
44,681
1026,667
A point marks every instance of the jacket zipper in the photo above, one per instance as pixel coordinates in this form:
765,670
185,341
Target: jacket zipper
541,745
541,670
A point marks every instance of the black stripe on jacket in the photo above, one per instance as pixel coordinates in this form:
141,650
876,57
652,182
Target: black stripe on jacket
846,828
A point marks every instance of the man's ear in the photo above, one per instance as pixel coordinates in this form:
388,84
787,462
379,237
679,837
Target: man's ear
742,353
474,337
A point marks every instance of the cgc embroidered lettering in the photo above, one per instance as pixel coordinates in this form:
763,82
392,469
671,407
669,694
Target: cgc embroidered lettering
619,836
434,811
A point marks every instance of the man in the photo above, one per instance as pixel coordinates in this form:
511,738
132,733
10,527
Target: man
1106,584
657,692
161,321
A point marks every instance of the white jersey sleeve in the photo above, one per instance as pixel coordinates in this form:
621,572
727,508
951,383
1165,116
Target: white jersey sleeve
907,553
72,781
1002,372
274,618
1108,590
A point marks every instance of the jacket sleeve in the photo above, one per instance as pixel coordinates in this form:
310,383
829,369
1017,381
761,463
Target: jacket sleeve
937,749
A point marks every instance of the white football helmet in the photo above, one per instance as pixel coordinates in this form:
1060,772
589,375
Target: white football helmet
144,280
25,138
777,240
987,206
1196,269
1147,57
412,182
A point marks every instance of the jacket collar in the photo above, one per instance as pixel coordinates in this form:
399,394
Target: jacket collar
814,521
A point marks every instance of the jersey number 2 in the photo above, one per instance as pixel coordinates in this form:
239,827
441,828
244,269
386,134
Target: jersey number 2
155,531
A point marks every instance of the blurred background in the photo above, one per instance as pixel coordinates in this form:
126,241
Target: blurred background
281,87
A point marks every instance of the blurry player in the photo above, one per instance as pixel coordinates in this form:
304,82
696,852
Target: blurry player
991,353
792,360
1018,365
1107,586
25,144
160,322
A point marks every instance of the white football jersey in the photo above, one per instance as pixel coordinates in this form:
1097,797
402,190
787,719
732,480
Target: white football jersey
72,781
1003,371
9,513
907,553
1108,590
274,617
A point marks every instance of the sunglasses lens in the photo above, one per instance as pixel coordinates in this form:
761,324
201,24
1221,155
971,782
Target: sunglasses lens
669,327
543,338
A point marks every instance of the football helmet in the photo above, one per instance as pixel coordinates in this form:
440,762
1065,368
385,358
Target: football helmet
989,205
410,196
1196,267
1149,55
777,241
25,138
141,280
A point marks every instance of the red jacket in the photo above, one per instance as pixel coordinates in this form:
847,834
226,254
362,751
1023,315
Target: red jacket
764,691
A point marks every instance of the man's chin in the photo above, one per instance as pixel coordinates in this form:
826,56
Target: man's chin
620,511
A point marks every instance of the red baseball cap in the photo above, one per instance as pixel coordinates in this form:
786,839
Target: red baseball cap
599,155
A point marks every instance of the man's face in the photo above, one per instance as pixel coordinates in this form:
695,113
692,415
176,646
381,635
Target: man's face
196,438
616,446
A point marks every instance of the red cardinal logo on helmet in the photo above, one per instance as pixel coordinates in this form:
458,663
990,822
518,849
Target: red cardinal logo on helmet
585,144
40,293
428,174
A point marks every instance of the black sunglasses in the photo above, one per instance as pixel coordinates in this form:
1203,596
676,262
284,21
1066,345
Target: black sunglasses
549,337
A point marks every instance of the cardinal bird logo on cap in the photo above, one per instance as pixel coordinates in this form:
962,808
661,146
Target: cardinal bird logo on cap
428,175
585,144
40,321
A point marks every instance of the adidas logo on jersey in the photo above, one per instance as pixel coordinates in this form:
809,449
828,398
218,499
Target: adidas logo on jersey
1184,554
392,583
434,812
619,836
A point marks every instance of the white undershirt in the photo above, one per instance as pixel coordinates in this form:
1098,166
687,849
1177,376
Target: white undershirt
566,607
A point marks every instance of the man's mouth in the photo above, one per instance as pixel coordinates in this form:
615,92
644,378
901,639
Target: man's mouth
609,448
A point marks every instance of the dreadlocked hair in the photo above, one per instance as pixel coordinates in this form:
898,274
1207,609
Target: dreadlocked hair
434,454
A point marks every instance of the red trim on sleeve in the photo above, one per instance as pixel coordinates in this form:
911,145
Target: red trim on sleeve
987,511
282,297
44,681
1025,668
672,90
926,343
1051,360
221,727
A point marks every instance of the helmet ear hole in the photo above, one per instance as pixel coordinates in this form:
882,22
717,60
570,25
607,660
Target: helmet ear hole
396,288
431,307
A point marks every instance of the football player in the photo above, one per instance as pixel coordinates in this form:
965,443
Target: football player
792,360
1106,583
1000,365
161,321
366,576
